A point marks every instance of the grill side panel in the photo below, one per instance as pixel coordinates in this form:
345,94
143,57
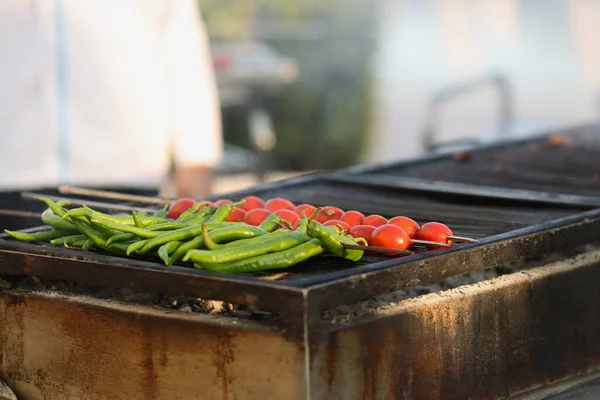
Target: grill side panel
55,347
488,340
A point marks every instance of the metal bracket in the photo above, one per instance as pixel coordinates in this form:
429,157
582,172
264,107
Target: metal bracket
447,94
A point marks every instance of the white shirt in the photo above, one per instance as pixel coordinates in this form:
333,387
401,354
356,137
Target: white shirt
100,92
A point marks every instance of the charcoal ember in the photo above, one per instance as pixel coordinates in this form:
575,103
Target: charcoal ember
462,156
559,140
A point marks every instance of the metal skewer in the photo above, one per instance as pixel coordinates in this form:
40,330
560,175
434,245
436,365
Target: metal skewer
462,239
113,195
90,203
429,243
376,249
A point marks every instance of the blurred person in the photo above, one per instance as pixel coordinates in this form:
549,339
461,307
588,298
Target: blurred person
111,94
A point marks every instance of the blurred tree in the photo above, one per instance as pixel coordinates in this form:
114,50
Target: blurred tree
329,106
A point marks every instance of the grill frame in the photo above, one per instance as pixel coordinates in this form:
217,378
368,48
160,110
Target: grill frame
315,293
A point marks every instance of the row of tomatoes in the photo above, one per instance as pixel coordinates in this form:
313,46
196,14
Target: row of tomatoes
395,233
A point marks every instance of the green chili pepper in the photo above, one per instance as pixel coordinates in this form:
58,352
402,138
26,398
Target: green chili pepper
135,246
68,240
57,207
223,211
276,244
271,223
90,232
210,244
149,233
167,226
162,213
201,216
36,236
85,211
53,220
220,235
166,249
136,220
87,245
302,224
120,248
123,228
192,210
281,259
333,241
190,233
121,237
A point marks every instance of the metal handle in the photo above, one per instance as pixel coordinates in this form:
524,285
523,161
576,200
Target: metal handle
447,94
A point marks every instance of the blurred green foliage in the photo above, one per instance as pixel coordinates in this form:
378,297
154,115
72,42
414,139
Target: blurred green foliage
321,120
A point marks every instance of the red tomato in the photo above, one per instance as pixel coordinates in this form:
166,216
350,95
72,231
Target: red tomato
252,202
288,215
338,224
257,216
352,217
409,225
308,209
363,231
279,203
221,202
435,232
390,237
375,220
237,215
327,213
179,206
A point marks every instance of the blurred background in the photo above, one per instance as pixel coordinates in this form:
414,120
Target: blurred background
314,84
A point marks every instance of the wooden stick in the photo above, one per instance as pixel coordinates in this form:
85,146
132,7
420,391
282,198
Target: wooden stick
19,213
112,195
89,203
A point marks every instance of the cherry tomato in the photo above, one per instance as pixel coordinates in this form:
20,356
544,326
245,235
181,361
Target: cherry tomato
179,206
375,220
288,215
409,225
327,213
435,232
237,215
257,216
308,209
338,224
220,202
252,202
279,203
352,217
390,237
363,231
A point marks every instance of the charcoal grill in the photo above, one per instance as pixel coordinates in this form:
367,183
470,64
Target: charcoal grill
501,337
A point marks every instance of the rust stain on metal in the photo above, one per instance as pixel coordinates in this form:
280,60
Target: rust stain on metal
223,357
484,341
69,347
29,262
